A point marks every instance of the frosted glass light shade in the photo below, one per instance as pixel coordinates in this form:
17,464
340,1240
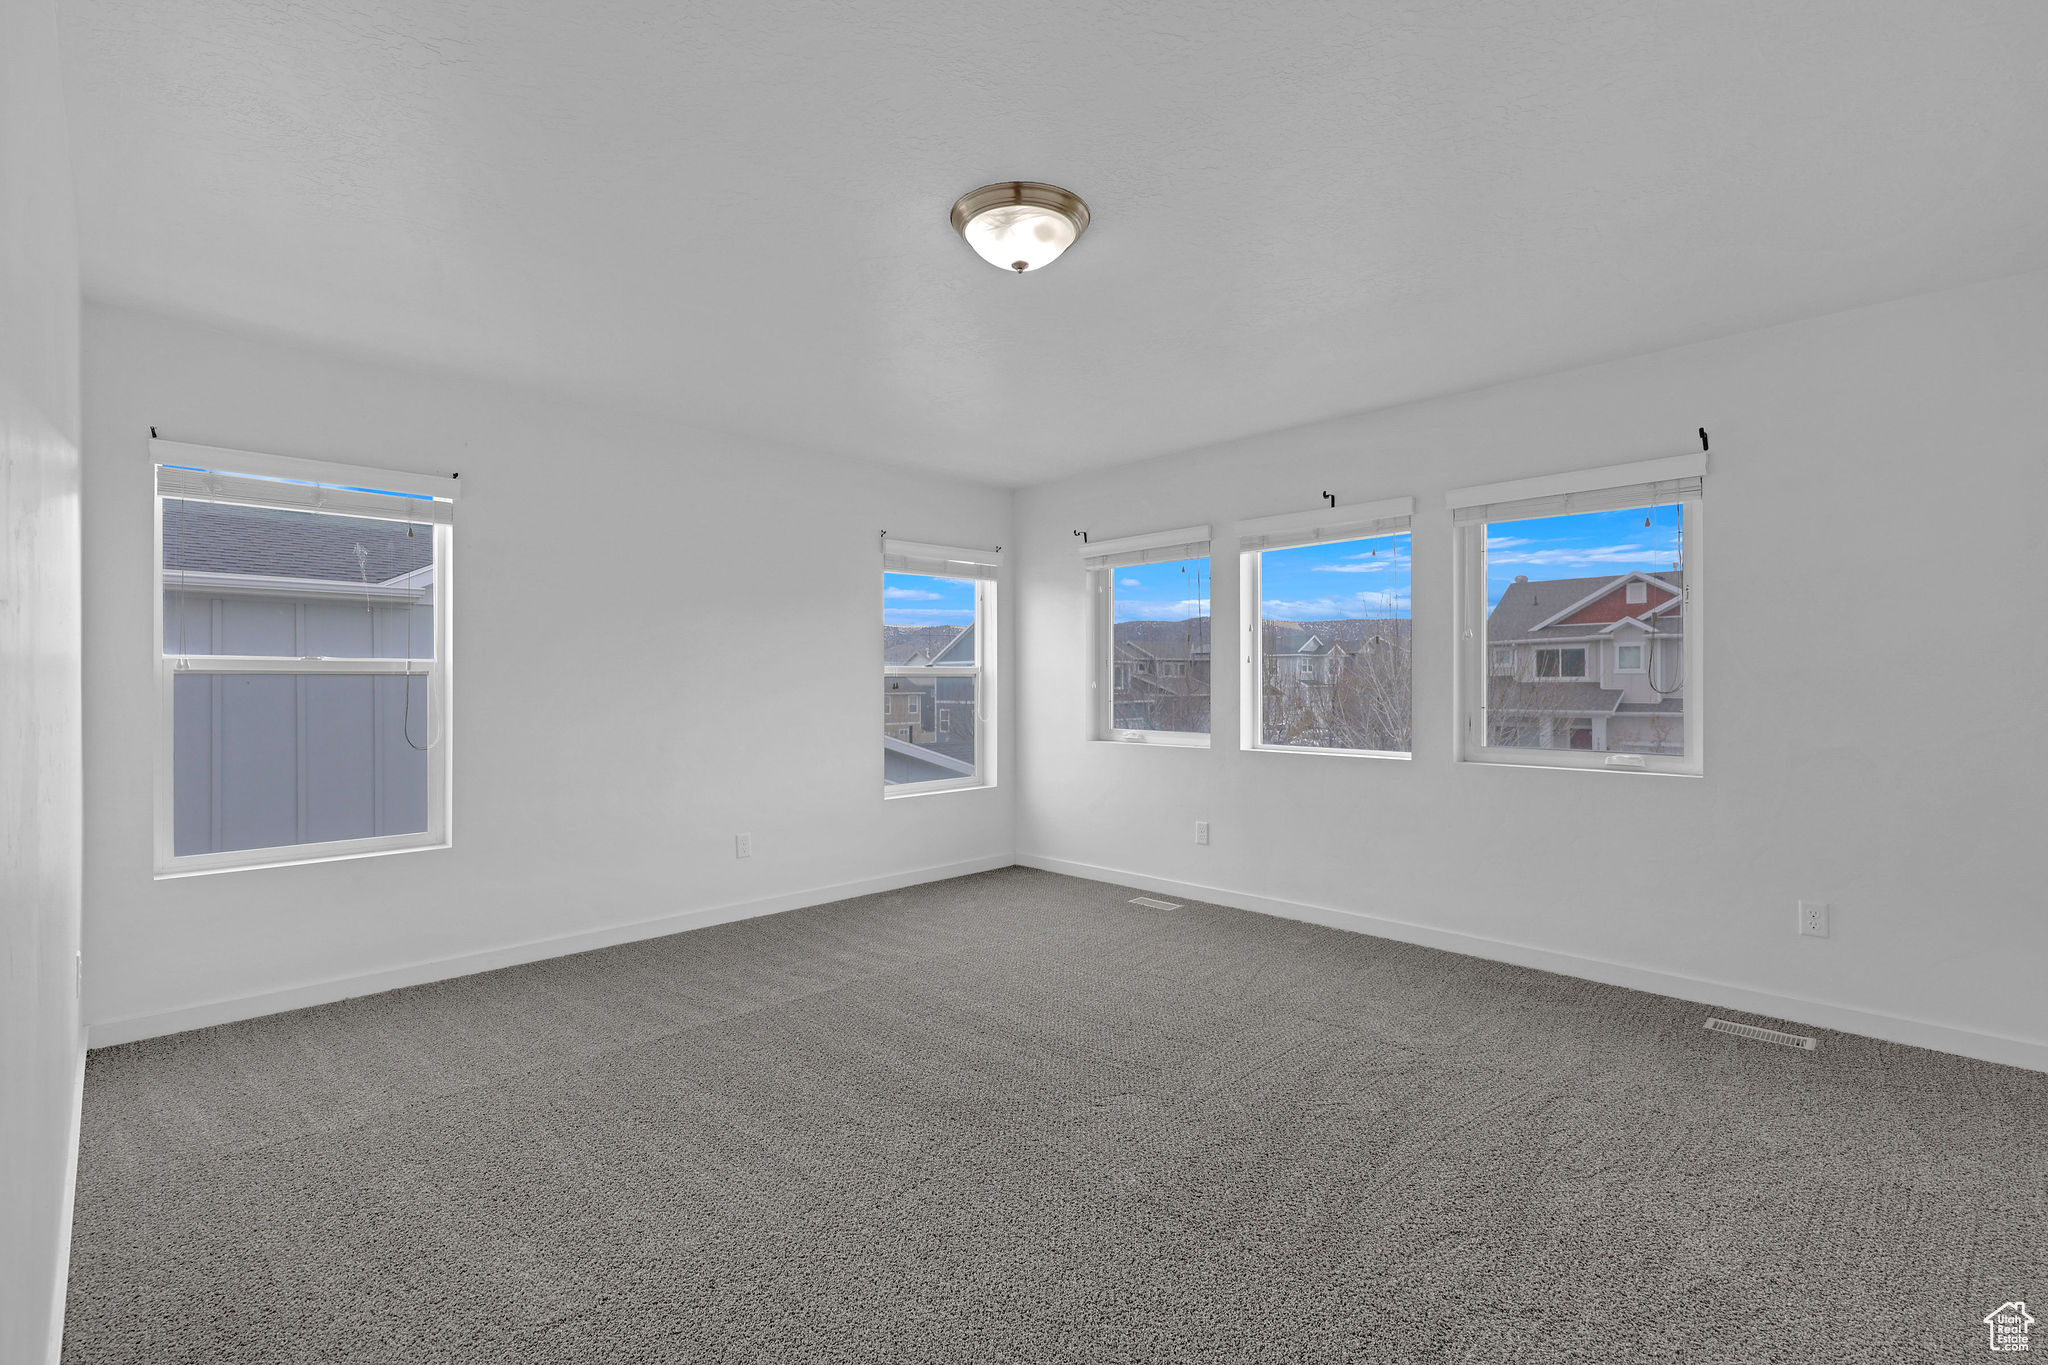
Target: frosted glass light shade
1020,225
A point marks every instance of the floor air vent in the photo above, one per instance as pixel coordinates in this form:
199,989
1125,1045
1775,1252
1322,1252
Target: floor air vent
1762,1035
1153,903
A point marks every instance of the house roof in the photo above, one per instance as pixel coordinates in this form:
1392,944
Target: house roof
1545,698
959,649
1326,638
206,537
1527,604
1159,651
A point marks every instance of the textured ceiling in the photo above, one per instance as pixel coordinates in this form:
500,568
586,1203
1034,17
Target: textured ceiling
734,211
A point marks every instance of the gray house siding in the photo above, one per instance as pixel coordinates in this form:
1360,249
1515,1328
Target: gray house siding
265,760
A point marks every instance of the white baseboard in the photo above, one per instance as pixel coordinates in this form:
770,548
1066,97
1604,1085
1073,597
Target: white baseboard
205,1014
1891,1028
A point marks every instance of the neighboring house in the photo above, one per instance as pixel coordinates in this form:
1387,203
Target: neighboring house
1321,690
1589,663
928,726
1160,681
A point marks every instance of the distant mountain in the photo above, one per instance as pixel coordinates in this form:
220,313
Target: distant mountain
1347,631
1350,632
1194,628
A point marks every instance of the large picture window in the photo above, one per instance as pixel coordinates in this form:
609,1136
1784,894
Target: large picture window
938,675
1151,672
1582,594
302,652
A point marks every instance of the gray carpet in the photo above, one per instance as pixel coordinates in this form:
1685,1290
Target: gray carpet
1011,1118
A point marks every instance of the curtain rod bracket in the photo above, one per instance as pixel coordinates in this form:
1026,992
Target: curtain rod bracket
1083,535
152,433
1703,440
1331,496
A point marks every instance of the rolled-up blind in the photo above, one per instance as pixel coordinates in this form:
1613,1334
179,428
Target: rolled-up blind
1648,483
205,474
943,561
203,485
1189,542
1355,522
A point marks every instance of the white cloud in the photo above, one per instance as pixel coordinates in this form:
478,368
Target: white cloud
1358,566
909,595
1580,556
1127,610
1129,583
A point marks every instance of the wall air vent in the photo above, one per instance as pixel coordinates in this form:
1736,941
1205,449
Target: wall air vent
1153,903
1763,1035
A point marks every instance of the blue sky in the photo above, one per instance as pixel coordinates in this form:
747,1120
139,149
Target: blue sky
1583,545
1172,590
911,599
1342,580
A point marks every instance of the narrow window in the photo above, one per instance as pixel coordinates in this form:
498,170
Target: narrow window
1555,568
1151,674
303,659
1328,658
938,646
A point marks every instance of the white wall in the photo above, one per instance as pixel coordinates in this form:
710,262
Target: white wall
41,1047
1872,527
707,616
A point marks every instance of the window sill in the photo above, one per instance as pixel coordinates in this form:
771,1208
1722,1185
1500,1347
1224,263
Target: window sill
1158,739
904,792
1540,765
182,868
1328,753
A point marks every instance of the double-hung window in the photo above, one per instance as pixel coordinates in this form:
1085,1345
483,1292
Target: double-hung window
1579,601
1328,639
1149,671
302,649
938,667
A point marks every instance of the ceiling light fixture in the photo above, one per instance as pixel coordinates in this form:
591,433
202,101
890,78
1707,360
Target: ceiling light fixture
1020,225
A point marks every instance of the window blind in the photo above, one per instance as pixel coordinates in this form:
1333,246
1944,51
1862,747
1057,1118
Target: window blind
943,561
1648,483
1355,522
209,485
1189,542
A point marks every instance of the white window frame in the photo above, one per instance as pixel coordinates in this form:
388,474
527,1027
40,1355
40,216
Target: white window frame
1380,520
1642,651
438,672
1679,479
1101,560
1501,659
1635,593
980,568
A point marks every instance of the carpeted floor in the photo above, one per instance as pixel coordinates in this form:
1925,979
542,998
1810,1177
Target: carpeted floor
1012,1118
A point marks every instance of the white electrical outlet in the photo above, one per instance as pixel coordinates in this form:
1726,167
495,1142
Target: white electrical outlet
742,845
1813,918
1201,831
